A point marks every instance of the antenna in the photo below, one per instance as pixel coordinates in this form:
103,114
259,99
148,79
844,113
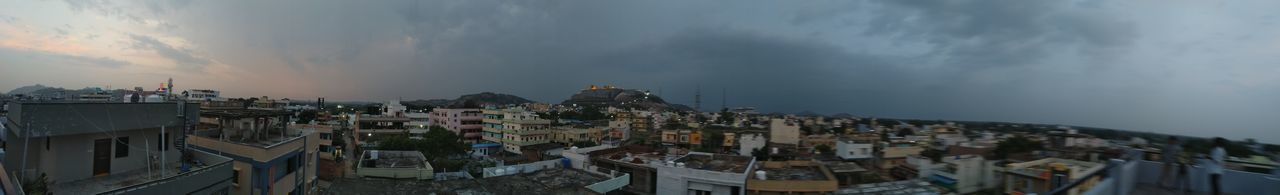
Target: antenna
697,99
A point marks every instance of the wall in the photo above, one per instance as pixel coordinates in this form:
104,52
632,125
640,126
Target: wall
676,180
524,168
749,142
70,158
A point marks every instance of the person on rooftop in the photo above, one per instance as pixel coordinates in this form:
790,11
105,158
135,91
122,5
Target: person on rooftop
1171,154
1217,156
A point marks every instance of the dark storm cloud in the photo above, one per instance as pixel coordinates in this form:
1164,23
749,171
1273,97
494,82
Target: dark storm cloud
1098,63
178,55
977,34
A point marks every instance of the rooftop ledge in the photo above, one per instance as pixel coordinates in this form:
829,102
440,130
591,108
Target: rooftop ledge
212,170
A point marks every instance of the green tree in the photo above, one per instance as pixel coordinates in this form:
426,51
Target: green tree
1016,144
726,117
438,143
824,149
933,154
306,116
584,144
906,132
760,154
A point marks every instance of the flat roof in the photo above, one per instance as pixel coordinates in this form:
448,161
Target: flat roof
71,118
716,162
393,159
243,113
549,181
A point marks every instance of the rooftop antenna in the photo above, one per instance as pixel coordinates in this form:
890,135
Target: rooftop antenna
697,99
723,98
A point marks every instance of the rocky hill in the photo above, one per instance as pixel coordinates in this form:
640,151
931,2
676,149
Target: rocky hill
472,99
617,97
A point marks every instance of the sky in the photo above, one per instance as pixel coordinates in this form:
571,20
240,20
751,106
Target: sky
1198,68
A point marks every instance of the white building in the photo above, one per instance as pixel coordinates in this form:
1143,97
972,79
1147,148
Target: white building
967,174
848,149
704,173
749,142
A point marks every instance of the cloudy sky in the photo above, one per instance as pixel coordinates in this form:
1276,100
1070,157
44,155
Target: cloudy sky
1201,68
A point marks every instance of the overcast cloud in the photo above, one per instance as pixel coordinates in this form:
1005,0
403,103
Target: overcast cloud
1183,67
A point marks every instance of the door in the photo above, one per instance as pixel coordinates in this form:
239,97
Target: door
101,157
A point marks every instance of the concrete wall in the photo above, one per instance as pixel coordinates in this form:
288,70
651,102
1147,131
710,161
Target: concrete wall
677,180
215,179
523,168
749,142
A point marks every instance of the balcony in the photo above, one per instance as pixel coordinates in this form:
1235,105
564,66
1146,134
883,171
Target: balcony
528,121
213,174
524,143
491,121
525,132
1140,177
491,130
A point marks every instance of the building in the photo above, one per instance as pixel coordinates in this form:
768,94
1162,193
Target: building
326,149
855,149
367,127
894,154
204,95
394,164
1041,176
704,173
750,142
966,174
567,136
270,157
634,160
682,137
513,128
110,148
466,122
792,177
784,131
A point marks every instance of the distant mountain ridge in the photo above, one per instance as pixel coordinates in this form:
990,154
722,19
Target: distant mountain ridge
27,89
474,99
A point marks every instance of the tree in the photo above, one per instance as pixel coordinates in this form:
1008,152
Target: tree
760,154
906,132
306,116
1016,144
438,143
726,117
933,154
824,149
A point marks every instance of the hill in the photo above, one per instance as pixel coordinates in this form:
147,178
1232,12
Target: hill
472,99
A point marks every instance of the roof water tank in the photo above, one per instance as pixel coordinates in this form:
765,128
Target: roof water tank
760,175
154,98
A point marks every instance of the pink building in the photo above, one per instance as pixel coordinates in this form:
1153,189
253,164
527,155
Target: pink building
466,122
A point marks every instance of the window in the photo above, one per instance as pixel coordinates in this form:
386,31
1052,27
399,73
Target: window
292,165
235,177
164,142
122,147
46,142
326,136
699,192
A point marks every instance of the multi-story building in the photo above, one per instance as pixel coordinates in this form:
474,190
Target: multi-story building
514,128
568,135
270,157
704,173
367,127
326,149
784,131
110,148
682,137
466,122
1041,176
895,153
204,94
792,177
